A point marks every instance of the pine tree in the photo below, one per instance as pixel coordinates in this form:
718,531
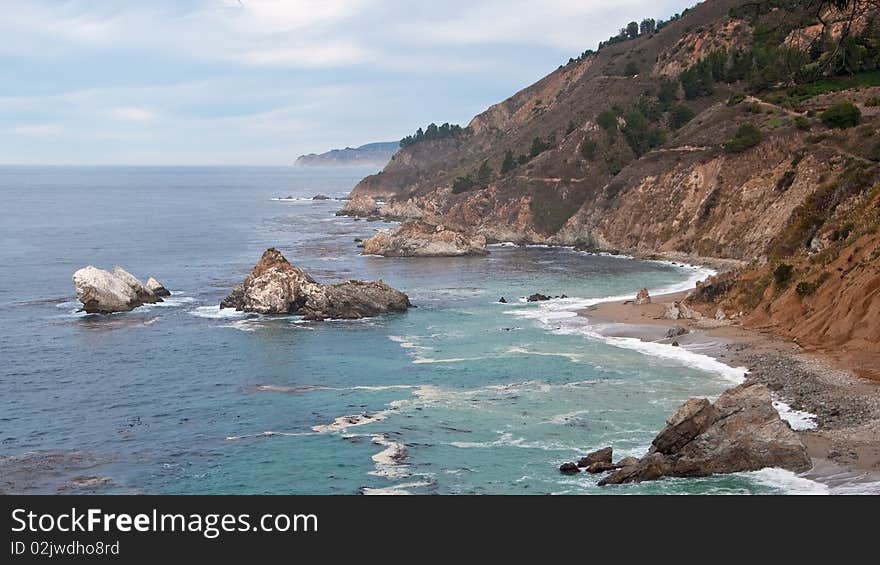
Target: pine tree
509,162
484,173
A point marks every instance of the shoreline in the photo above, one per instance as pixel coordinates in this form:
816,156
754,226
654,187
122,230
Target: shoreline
845,442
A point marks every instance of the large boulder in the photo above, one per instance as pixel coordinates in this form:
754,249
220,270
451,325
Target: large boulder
420,239
681,311
643,297
275,286
101,292
742,431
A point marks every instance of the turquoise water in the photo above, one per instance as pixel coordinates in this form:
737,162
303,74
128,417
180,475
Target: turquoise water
473,395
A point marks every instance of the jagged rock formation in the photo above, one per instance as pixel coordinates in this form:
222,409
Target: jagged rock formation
275,286
103,292
360,206
420,239
741,431
643,297
681,311
157,288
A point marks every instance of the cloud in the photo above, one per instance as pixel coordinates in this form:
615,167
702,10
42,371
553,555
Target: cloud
37,130
260,81
132,114
344,53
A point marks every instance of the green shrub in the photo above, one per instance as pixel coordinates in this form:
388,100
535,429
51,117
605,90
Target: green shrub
509,162
807,288
736,98
484,174
782,274
802,123
842,116
538,147
607,120
463,184
588,149
679,115
747,136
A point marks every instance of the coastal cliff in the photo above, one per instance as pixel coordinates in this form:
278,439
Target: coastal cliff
735,131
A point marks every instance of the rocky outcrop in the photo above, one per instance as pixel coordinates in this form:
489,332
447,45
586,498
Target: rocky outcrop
741,431
275,286
569,469
643,297
600,456
360,206
157,288
419,239
103,292
681,311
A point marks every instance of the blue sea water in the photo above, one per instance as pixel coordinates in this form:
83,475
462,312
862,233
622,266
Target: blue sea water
460,395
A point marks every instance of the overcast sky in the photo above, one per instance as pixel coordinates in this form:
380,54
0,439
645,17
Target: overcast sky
262,81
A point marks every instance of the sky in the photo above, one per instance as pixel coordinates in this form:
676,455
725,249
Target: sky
259,82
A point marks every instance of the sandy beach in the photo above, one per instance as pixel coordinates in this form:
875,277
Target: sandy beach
845,442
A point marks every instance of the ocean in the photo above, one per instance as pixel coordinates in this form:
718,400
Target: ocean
461,395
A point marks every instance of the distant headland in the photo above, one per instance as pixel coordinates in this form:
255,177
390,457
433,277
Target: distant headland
376,154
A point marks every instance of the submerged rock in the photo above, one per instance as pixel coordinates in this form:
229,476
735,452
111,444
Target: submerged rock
569,469
538,297
740,432
419,239
502,300
676,331
275,286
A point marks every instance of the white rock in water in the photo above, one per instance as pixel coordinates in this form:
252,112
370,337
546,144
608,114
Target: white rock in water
157,288
101,292
144,295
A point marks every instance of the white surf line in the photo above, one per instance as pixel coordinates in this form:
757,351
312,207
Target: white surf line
351,421
799,420
551,313
390,461
269,434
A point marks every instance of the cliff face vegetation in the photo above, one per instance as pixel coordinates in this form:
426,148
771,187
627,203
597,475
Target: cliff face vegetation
740,130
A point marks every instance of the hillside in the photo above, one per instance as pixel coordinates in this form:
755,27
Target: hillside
740,131
371,154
